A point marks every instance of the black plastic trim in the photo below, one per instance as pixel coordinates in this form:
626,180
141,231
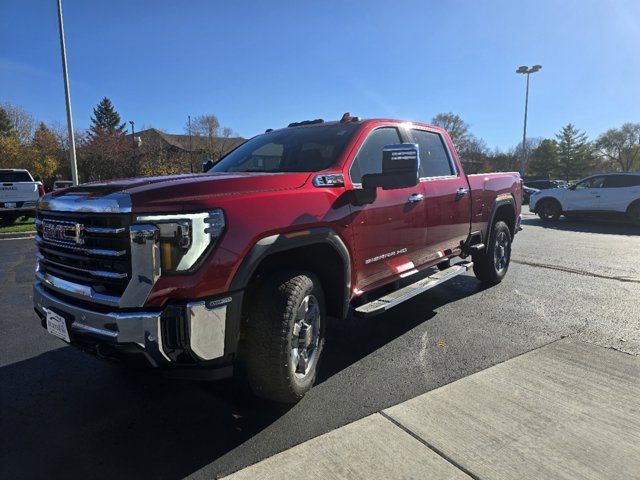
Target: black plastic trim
282,242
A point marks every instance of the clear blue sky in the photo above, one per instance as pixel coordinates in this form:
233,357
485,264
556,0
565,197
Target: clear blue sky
260,65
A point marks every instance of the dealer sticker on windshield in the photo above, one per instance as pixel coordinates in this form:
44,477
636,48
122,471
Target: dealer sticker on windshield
56,325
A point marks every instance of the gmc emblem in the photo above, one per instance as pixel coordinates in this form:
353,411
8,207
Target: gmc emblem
68,232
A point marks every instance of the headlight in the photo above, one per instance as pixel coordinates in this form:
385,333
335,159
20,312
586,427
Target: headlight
185,237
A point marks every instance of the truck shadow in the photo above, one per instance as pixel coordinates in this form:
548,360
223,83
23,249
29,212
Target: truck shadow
606,225
68,415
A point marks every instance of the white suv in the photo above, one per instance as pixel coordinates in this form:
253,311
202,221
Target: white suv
604,193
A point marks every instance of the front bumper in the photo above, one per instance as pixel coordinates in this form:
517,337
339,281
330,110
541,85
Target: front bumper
197,334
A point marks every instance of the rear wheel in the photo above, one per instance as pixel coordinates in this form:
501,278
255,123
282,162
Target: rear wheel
634,213
549,210
284,336
492,264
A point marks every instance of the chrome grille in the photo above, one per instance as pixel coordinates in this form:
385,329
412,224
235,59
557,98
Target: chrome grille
86,248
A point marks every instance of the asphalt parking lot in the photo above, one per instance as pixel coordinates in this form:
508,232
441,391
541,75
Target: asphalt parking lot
65,414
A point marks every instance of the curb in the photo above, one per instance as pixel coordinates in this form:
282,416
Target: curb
10,235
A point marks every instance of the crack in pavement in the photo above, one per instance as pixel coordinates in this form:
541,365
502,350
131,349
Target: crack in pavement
576,271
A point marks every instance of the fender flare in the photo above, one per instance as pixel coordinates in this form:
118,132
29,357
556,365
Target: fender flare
287,241
501,200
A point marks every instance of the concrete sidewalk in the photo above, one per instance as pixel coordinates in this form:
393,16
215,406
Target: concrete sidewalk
567,410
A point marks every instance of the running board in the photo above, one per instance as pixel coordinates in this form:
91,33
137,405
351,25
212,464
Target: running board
392,299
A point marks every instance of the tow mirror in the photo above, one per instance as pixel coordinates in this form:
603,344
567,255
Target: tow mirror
207,164
399,168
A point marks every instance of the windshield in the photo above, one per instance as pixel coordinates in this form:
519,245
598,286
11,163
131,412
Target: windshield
10,176
304,149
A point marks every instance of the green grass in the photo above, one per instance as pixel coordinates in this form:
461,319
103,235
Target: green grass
20,225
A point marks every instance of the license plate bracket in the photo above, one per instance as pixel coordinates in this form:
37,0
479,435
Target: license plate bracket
57,325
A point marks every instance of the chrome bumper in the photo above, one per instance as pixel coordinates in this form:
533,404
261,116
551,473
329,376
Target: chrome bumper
211,332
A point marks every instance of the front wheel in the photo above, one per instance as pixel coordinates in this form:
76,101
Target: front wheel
284,336
492,264
549,211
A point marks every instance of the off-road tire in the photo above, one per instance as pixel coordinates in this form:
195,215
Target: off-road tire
268,336
484,263
549,210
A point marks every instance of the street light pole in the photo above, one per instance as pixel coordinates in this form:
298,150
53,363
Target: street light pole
523,157
65,74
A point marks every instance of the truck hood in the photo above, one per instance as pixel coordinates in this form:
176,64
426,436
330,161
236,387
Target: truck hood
175,192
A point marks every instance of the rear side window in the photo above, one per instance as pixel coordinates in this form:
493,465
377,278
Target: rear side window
369,158
621,181
434,161
7,176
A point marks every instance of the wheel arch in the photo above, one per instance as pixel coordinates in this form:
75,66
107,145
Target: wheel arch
317,250
632,203
504,208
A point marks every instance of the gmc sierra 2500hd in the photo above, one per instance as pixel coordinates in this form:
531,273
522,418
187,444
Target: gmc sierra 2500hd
240,266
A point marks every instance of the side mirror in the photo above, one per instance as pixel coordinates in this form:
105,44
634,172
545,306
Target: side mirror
206,165
572,187
399,168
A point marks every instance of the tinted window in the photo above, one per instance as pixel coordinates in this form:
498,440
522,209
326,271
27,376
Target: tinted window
369,158
434,161
595,182
541,184
301,149
8,176
621,181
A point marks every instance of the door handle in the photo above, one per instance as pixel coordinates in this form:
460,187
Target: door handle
415,197
461,192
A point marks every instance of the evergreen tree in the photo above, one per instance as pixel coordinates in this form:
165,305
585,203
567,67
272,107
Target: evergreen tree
544,159
574,152
6,128
105,120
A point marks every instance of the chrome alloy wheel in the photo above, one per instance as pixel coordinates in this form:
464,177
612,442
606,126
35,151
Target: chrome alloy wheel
502,251
306,337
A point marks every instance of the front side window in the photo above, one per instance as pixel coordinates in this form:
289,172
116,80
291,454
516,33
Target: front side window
297,149
595,182
434,161
369,158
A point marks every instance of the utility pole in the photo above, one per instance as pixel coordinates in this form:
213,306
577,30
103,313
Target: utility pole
133,132
65,74
190,146
523,158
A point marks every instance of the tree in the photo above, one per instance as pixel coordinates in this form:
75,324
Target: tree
574,152
216,138
543,160
106,120
22,122
457,128
6,127
621,146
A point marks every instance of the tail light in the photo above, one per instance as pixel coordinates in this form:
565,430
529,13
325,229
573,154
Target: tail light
41,191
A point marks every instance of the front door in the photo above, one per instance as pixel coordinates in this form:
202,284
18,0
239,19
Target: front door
447,197
389,234
585,196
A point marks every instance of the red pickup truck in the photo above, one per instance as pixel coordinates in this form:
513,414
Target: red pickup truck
239,267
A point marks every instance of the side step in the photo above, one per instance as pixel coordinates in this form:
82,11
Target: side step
392,299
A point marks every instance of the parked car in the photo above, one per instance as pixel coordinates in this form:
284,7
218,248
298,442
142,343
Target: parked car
19,193
243,264
604,193
526,193
60,184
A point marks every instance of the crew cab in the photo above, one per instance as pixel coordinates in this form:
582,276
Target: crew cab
19,194
617,193
237,269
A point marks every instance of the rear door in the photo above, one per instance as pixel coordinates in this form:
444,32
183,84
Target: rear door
447,197
389,234
619,191
585,196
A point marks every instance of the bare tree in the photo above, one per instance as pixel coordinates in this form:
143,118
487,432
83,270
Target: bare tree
23,123
457,129
621,146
